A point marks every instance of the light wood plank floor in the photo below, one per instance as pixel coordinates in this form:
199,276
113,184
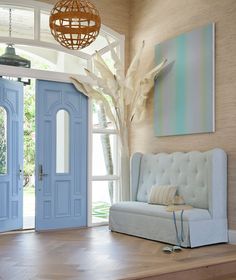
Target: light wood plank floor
97,253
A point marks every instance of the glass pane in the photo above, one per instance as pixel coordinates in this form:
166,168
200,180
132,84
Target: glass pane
3,141
104,154
41,58
22,22
62,144
45,33
49,59
73,64
98,44
109,61
104,194
99,118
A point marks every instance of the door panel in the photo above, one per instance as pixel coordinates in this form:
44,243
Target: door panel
11,155
61,156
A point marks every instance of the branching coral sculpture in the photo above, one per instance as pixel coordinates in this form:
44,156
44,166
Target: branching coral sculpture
127,94
123,97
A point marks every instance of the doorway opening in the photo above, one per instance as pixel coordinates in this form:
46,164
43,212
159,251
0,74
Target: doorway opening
29,157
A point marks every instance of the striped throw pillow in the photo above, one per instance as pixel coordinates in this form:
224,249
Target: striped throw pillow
163,195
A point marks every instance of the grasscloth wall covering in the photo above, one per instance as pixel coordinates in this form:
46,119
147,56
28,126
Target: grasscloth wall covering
157,20
114,14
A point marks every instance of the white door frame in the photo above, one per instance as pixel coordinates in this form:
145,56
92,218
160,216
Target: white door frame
59,76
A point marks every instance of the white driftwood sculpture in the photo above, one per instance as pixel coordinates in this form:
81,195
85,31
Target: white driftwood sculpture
123,97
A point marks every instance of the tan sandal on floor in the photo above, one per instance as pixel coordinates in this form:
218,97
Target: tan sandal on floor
176,249
167,250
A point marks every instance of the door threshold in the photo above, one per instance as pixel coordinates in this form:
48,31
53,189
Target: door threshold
18,231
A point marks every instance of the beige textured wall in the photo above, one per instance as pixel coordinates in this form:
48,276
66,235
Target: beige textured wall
114,14
158,20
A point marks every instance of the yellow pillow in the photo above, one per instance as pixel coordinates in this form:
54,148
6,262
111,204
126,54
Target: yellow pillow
162,194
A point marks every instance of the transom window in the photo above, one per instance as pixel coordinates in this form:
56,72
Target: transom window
30,27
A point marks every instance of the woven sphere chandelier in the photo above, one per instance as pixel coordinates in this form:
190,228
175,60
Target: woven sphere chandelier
75,24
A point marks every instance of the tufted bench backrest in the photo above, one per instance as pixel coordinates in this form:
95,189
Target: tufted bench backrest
191,172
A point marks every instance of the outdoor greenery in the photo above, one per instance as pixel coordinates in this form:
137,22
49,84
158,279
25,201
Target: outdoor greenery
3,141
29,134
100,210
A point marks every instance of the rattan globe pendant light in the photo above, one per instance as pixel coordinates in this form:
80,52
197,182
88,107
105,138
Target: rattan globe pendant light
75,24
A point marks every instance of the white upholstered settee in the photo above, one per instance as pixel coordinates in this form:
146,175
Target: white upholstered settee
201,179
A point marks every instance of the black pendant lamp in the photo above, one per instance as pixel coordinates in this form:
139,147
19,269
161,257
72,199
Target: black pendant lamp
11,58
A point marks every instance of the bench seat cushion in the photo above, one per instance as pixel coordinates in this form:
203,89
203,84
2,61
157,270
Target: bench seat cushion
143,208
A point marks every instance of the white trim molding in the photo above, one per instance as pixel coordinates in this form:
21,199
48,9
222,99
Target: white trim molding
17,72
106,178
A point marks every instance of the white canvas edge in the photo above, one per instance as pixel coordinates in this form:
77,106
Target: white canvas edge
213,79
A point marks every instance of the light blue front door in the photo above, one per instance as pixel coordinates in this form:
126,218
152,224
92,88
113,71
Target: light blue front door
61,156
11,155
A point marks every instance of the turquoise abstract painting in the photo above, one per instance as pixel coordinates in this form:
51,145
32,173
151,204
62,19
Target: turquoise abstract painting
184,92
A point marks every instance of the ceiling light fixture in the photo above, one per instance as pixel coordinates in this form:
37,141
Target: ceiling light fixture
75,24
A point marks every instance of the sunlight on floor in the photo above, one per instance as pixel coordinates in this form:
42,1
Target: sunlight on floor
29,208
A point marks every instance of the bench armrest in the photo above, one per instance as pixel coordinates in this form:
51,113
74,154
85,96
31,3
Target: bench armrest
218,192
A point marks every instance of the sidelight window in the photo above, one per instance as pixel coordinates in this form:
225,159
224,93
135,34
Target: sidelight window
105,179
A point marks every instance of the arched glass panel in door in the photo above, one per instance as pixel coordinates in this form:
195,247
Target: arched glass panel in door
62,142
3,141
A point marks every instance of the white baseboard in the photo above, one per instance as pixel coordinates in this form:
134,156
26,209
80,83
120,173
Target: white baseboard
232,236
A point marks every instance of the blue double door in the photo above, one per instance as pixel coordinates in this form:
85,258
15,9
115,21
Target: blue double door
61,156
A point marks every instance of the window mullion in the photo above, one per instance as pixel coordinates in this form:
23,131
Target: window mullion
104,131
106,178
37,24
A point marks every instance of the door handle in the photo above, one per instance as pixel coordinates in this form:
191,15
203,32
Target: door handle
41,174
20,176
